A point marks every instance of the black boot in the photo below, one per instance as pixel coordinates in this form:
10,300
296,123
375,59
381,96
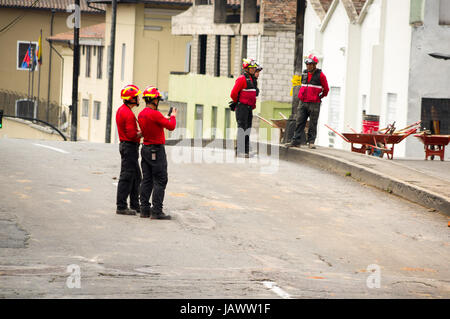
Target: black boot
137,209
160,215
145,212
125,211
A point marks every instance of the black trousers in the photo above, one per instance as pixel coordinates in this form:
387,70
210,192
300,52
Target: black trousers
130,176
311,110
244,117
154,169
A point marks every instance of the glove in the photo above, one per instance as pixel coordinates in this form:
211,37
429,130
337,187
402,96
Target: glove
232,105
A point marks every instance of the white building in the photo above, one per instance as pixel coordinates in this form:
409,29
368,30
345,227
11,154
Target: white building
375,54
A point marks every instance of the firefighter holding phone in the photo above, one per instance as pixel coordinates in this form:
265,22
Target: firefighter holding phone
154,160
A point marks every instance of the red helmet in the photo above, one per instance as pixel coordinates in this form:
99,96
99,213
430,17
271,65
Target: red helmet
152,93
249,63
311,59
130,91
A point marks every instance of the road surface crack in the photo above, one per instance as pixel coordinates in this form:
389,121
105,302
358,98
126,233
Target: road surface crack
413,282
324,260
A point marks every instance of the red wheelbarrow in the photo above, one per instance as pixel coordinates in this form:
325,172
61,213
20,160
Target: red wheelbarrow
434,144
375,141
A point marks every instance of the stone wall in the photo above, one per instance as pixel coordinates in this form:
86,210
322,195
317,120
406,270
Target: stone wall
277,58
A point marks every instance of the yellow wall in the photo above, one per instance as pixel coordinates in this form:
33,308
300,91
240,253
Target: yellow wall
28,29
157,53
15,128
208,91
145,63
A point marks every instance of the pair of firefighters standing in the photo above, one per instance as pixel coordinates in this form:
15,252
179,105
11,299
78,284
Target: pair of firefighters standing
314,88
153,155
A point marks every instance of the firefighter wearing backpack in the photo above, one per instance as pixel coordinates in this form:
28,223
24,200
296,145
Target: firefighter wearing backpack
244,94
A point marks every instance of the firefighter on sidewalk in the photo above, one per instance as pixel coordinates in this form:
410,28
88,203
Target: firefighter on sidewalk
154,161
244,94
314,88
130,136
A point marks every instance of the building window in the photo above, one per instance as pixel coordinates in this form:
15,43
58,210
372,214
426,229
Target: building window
88,61
180,130
444,12
187,61
227,123
25,50
391,108
85,108
100,63
435,116
217,57
244,46
198,121
96,113
26,108
250,12
333,112
214,122
364,102
202,42
122,71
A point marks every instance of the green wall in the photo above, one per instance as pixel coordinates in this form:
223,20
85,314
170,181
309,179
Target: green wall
212,91
416,13
270,110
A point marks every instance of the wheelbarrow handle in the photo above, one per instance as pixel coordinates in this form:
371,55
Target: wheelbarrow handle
343,137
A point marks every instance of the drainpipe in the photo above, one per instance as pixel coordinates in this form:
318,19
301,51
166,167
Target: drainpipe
50,64
62,73
298,63
111,72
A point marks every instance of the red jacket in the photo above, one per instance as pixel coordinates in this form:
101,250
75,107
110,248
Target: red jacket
314,87
152,124
248,94
126,124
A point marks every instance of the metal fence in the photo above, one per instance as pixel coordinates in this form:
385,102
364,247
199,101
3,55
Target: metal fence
19,104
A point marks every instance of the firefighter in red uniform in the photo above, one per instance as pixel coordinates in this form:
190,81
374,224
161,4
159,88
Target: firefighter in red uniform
244,94
154,161
129,135
314,88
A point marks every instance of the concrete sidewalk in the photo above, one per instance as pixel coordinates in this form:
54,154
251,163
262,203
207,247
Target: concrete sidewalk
424,182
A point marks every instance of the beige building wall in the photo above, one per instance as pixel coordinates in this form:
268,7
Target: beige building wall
150,54
143,56
28,29
157,51
92,90
125,38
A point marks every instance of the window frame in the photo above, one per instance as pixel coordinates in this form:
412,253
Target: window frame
83,104
17,55
95,112
441,21
25,99
88,62
100,62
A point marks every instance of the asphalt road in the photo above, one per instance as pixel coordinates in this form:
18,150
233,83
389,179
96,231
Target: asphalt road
240,231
